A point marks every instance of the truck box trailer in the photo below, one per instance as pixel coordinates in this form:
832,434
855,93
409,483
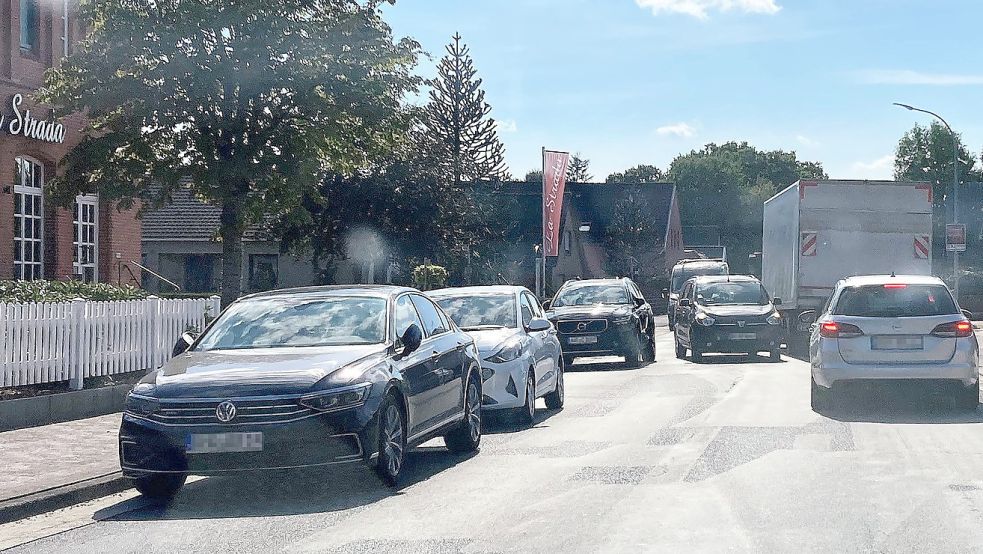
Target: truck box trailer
818,232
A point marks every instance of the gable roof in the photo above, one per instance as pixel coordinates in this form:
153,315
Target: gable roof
185,218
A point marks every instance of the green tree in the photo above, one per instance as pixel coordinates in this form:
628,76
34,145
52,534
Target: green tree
534,176
629,235
925,154
249,101
726,185
639,174
464,137
578,170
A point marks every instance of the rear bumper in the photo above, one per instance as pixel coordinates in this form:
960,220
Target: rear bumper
828,367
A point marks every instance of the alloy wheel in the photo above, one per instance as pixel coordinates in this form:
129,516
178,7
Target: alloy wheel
531,397
394,440
474,412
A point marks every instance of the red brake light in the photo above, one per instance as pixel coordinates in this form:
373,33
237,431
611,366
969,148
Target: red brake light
895,286
833,330
959,329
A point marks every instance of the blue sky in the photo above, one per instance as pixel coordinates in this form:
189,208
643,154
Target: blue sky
639,81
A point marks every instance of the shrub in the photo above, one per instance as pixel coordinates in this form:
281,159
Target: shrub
427,277
15,292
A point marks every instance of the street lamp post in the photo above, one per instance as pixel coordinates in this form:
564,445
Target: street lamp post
955,186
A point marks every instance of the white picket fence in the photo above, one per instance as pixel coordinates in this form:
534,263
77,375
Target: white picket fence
69,341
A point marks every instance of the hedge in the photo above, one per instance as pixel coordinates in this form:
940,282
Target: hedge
15,292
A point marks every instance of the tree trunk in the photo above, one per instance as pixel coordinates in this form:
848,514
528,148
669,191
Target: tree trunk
231,232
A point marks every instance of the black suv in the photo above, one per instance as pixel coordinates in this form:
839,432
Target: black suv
730,313
603,317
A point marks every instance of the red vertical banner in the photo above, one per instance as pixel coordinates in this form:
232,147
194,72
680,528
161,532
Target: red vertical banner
554,180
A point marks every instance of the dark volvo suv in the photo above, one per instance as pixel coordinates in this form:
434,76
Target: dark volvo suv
730,313
603,317
305,377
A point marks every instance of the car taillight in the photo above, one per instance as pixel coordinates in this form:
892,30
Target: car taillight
895,286
834,330
955,329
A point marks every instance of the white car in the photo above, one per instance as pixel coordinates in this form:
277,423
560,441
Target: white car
518,347
896,328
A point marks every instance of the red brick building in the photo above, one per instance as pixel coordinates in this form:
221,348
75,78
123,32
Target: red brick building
92,240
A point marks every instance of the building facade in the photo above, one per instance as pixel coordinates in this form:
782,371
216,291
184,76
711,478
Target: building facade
91,240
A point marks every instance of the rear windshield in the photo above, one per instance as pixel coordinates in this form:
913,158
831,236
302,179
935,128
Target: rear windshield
906,301
681,274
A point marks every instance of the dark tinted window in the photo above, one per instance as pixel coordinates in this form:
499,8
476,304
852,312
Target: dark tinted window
537,309
433,323
406,315
735,292
526,308
904,301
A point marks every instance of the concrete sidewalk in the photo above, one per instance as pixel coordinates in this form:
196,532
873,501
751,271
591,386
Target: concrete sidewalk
39,462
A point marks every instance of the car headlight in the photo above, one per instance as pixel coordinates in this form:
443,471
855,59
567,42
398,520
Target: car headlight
506,352
487,373
337,399
774,319
621,320
140,405
704,320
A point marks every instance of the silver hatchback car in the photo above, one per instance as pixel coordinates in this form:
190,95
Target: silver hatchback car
893,328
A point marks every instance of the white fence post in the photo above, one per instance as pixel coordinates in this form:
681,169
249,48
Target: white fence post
79,352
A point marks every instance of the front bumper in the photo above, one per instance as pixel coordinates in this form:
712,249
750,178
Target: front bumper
147,446
505,386
733,339
615,340
829,368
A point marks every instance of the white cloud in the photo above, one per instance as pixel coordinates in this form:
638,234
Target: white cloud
806,141
700,8
881,168
506,126
908,77
680,129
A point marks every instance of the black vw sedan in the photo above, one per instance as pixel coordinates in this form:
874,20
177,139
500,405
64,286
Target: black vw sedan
305,377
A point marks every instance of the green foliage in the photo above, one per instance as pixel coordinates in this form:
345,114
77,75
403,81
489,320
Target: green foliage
464,138
727,184
429,277
639,174
249,101
14,292
578,171
534,176
629,236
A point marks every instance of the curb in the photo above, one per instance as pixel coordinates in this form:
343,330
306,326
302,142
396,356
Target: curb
40,502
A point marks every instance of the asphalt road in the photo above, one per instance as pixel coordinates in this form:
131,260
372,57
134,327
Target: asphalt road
674,457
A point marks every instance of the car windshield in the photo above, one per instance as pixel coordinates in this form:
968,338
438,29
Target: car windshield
283,322
895,301
681,274
735,292
480,311
585,295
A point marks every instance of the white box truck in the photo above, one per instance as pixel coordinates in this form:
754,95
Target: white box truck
818,232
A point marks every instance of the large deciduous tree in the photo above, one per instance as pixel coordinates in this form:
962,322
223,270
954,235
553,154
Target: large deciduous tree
463,136
248,101
641,173
629,235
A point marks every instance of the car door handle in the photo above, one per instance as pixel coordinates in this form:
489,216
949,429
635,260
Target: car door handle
434,356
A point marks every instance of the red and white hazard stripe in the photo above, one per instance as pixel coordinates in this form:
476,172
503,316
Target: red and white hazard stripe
809,242
922,246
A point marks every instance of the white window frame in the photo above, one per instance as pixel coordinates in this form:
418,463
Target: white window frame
37,219
78,268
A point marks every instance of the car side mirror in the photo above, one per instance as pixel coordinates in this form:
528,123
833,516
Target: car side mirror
537,324
685,302
776,301
183,343
807,317
967,314
665,293
546,304
411,339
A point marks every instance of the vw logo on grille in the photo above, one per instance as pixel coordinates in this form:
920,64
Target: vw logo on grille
225,412
740,323
582,326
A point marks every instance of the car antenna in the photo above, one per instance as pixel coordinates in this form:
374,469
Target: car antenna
893,275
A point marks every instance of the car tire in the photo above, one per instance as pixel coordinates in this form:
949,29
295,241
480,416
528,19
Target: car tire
161,487
554,400
633,355
775,354
568,361
392,441
969,397
466,437
696,354
820,398
680,349
526,415
648,350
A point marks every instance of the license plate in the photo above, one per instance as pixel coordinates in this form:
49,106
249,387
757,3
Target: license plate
223,442
582,340
890,342
742,336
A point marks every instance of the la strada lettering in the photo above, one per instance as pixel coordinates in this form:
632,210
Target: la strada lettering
21,123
